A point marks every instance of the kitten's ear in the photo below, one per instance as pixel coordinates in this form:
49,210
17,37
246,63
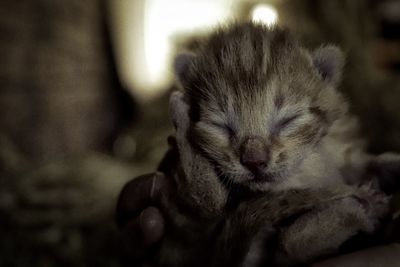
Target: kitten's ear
329,61
182,63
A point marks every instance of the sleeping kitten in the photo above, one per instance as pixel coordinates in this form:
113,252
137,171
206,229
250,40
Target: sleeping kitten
264,109
262,113
201,231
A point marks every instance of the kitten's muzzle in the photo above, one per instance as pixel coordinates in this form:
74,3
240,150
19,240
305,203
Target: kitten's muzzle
254,155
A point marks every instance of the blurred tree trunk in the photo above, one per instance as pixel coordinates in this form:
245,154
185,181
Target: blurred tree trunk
60,99
58,85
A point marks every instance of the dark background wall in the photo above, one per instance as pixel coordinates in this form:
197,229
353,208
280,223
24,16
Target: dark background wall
59,91
61,108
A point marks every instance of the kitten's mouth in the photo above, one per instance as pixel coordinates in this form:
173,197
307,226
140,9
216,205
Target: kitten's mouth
261,178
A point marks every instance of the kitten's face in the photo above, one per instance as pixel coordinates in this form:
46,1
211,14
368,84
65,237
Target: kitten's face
260,103
261,140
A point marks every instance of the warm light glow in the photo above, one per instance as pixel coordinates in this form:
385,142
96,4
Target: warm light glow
143,33
265,14
163,20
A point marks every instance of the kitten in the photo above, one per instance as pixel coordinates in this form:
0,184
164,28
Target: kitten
264,109
202,232
260,112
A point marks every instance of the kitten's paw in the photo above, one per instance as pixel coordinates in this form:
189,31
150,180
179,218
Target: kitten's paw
375,204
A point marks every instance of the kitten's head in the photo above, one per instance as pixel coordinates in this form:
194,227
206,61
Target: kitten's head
260,103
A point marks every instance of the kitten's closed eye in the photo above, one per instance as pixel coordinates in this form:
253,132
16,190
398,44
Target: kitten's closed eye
287,121
224,127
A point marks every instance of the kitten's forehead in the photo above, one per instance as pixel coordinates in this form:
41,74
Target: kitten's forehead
272,97
243,61
256,110
242,58
252,72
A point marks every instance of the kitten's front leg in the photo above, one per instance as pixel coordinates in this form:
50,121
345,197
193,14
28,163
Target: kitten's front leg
196,178
252,225
322,231
196,207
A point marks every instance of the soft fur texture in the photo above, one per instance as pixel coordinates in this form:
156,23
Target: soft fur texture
252,93
250,81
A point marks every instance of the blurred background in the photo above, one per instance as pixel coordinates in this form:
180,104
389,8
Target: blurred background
83,103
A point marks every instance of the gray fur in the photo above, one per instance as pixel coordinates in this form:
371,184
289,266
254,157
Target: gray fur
329,61
252,81
248,81
200,181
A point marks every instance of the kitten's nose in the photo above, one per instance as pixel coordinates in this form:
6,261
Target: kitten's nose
254,154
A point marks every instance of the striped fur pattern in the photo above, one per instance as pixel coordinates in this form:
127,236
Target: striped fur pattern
204,231
248,80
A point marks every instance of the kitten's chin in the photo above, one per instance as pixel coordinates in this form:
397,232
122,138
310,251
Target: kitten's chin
262,182
260,186
262,178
